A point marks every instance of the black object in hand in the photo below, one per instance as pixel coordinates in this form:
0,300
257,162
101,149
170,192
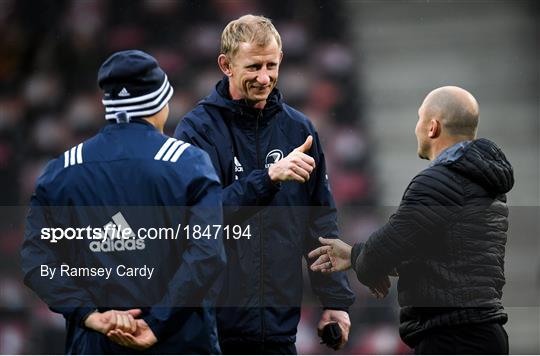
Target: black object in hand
331,335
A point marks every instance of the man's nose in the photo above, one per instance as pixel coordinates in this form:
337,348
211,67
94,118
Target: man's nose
263,78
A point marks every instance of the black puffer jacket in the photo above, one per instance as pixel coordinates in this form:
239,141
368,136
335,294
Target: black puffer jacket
447,241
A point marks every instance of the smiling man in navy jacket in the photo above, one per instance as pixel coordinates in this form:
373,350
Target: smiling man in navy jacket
272,168
132,176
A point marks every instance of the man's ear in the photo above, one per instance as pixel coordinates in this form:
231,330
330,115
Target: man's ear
225,65
434,128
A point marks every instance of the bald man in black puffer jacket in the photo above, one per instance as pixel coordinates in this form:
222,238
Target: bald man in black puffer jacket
447,239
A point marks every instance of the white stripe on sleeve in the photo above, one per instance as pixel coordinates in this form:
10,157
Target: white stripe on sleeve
72,156
79,153
164,148
180,151
171,150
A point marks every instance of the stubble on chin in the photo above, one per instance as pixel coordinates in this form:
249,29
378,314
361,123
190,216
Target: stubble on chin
422,153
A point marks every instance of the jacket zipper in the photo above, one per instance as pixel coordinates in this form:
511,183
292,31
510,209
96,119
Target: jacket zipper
261,243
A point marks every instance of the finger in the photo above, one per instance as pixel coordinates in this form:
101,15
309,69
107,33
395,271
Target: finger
301,172
115,336
126,338
132,342
304,161
127,342
129,322
307,159
332,259
319,250
134,312
132,324
122,322
141,323
300,167
322,259
129,338
319,268
344,339
306,145
322,324
293,176
327,242
125,323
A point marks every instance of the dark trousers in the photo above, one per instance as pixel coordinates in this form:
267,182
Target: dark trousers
249,348
472,339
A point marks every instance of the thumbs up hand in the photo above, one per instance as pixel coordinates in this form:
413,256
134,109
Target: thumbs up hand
306,145
297,166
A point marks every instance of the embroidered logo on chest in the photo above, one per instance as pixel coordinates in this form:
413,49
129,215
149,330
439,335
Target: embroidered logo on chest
273,157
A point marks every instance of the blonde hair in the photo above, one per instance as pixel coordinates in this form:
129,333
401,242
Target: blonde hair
248,28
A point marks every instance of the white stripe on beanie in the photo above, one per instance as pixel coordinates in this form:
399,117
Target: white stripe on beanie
137,99
139,111
144,105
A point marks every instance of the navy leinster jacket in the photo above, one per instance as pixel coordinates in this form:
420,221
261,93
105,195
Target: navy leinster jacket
263,284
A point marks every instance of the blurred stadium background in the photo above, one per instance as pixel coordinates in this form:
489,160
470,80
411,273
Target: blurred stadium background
359,69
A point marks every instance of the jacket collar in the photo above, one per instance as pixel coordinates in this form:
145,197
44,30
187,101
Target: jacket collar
133,123
451,153
220,97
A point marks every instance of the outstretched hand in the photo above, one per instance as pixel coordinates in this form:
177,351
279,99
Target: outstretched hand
333,256
297,166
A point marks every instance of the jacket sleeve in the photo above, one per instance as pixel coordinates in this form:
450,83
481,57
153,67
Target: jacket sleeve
202,259
243,197
61,293
425,210
333,290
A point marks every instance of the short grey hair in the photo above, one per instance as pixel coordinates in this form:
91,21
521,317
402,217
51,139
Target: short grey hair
250,29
